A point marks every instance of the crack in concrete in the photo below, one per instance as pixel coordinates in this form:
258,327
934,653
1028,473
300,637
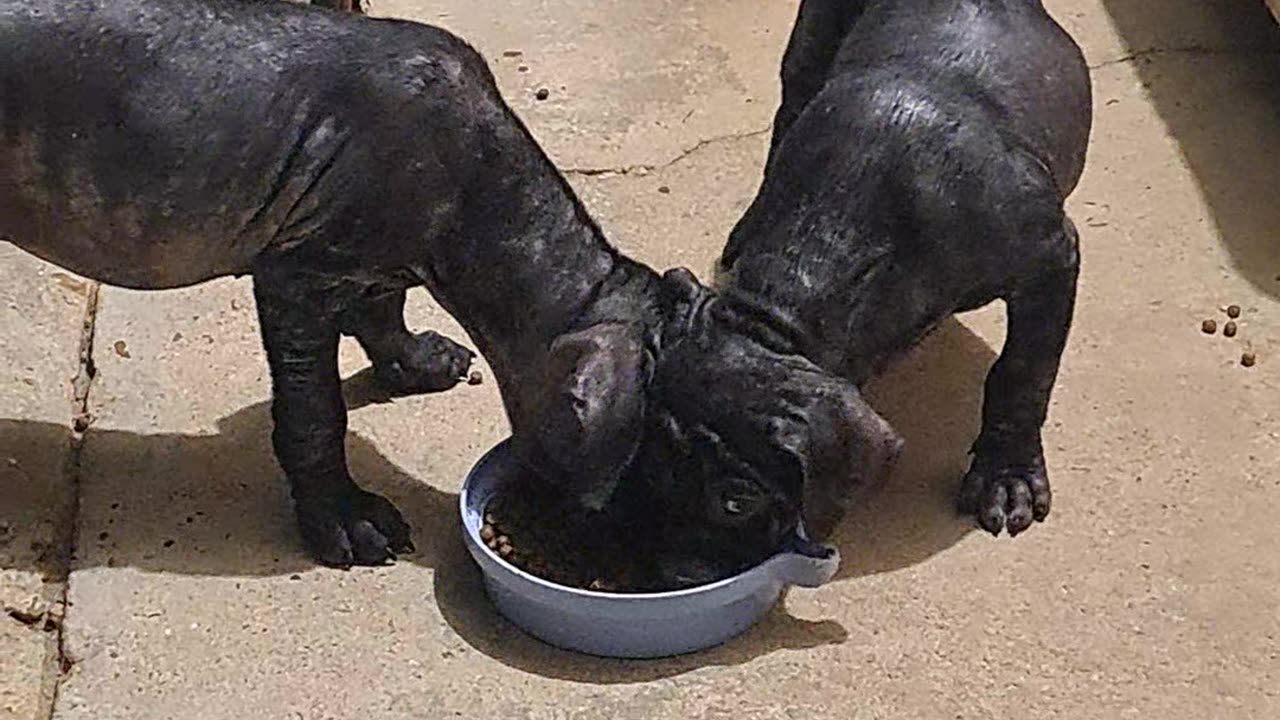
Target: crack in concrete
59,662
642,169
83,380
1197,50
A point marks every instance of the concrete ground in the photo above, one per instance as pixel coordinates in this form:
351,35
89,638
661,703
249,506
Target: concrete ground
1153,591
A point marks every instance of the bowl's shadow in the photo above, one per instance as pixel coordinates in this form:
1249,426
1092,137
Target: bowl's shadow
1224,116
215,505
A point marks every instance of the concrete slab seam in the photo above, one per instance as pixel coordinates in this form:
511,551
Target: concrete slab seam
58,662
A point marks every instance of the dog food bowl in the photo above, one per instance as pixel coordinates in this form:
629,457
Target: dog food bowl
633,625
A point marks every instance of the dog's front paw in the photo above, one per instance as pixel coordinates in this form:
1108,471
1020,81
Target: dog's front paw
428,362
1006,487
360,528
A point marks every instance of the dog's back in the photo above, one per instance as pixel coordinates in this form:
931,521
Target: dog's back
927,172
159,143
1007,55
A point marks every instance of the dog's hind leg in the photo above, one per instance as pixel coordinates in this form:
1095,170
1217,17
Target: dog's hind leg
403,362
1007,485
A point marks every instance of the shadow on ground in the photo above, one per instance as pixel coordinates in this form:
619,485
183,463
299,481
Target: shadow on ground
209,505
1222,105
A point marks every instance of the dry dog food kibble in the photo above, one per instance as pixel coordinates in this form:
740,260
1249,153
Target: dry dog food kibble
548,535
1248,359
1233,311
1229,329
1209,327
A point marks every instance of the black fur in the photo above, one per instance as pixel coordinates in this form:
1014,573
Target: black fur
919,164
339,160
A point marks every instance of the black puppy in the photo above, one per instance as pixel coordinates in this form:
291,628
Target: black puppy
919,164
161,143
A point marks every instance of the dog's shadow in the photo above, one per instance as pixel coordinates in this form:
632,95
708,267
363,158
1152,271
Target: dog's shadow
934,399
212,505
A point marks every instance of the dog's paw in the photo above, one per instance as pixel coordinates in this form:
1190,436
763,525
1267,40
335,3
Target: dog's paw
1006,490
429,362
360,529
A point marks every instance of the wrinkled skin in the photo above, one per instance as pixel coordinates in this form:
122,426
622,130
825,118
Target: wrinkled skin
158,145
747,438
919,165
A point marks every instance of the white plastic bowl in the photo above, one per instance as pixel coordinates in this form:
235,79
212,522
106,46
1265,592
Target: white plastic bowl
634,625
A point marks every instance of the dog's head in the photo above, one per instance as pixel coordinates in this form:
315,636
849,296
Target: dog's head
733,443
749,442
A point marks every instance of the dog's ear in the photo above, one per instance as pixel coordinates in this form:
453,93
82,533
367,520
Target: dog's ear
844,449
589,418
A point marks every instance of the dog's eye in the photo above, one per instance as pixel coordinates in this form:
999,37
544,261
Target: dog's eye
739,499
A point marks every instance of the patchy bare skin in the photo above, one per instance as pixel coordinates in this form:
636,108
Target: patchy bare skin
919,165
161,144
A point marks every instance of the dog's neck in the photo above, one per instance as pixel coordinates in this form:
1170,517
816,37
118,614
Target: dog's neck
528,265
825,312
